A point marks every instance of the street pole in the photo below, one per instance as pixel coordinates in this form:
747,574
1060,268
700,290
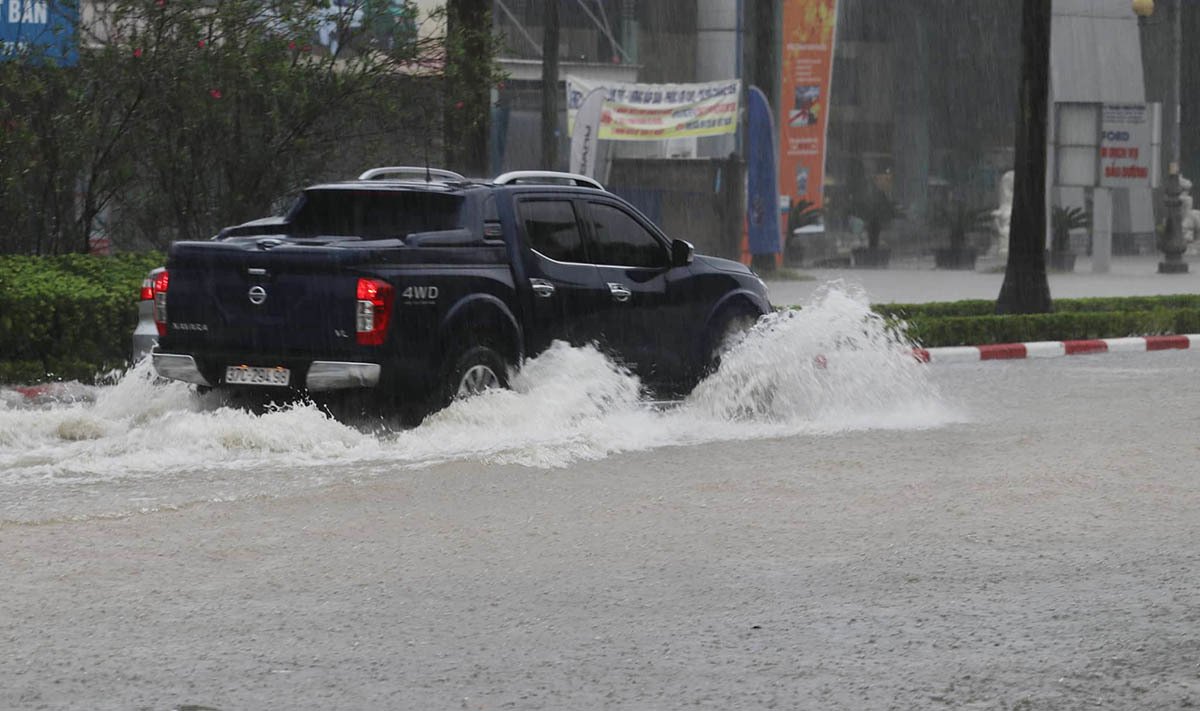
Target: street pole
1171,242
550,87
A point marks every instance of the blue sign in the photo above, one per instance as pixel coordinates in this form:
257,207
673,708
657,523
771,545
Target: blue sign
39,29
762,193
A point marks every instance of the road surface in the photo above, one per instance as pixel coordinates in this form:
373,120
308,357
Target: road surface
992,535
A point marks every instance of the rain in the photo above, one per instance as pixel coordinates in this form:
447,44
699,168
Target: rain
598,354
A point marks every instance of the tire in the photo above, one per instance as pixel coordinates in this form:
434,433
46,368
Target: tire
727,330
476,369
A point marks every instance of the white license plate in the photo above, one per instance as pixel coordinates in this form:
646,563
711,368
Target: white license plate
251,375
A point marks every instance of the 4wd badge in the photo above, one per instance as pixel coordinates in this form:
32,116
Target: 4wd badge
420,294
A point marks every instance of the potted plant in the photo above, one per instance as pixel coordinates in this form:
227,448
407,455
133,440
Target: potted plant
877,211
804,214
1062,221
961,220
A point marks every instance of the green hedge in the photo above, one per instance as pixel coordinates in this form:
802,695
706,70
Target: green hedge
981,307
936,331
974,322
70,316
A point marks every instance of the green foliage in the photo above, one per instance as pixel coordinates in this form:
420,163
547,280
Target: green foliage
197,115
963,219
983,330
469,74
802,214
71,316
1062,221
974,322
983,307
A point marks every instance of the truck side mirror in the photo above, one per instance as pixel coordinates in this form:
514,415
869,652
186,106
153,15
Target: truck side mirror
681,253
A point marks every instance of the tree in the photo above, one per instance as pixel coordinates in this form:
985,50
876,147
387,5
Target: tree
550,87
1025,288
183,116
470,75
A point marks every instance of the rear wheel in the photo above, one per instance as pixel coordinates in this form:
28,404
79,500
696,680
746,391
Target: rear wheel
477,369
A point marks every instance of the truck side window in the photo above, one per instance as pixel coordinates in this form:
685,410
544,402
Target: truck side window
552,230
620,240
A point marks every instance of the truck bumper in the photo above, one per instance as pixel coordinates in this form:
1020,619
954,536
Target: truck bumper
336,375
178,367
322,374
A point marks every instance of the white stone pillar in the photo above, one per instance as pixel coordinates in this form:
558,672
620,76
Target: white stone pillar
1102,226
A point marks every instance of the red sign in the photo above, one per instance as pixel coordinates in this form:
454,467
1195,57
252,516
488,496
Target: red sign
809,29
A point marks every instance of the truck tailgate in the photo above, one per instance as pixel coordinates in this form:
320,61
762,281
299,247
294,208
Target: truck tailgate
237,297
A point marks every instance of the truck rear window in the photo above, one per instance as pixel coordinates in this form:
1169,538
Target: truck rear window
376,214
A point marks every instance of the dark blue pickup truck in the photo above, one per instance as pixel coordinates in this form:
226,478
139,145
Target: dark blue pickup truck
421,285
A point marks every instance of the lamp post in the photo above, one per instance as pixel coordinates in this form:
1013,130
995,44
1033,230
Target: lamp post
1170,242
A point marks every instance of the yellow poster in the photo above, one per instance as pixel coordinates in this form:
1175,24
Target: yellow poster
657,112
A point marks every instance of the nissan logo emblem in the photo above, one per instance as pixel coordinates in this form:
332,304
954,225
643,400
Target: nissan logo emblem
257,295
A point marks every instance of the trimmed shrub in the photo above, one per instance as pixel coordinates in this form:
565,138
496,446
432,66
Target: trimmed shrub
937,331
974,322
68,316
982,307
71,316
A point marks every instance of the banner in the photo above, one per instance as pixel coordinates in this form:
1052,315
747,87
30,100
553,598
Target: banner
762,192
809,30
584,140
657,112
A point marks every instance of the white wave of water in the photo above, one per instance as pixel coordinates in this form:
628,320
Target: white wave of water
141,443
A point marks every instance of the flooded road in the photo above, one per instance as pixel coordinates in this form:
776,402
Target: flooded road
824,524
140,445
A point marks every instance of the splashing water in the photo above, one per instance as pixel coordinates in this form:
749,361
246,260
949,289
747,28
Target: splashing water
142,444
832,365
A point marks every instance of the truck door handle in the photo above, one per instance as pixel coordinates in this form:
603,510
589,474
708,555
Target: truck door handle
620,292
542,288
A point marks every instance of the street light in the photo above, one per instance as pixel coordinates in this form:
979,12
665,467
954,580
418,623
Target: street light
1171,242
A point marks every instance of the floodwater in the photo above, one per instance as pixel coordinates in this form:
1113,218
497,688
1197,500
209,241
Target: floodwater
844,528
141,445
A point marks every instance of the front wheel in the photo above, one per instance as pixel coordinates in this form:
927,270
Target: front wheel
727,330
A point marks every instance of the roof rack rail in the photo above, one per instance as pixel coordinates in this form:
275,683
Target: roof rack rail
547,177
412,172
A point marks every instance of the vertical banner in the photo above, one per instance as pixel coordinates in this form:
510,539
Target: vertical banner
809,30
762,191
585,134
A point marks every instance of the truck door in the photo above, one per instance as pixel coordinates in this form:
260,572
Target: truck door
647,318
565,294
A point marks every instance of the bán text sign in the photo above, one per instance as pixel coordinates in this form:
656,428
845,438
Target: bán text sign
42,30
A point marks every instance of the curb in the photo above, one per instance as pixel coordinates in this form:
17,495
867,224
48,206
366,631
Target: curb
1055,349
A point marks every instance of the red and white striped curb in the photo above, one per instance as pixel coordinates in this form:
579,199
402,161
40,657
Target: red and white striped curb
1055,349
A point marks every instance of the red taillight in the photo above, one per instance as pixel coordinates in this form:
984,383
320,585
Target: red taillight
373,311
147,289
158,291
